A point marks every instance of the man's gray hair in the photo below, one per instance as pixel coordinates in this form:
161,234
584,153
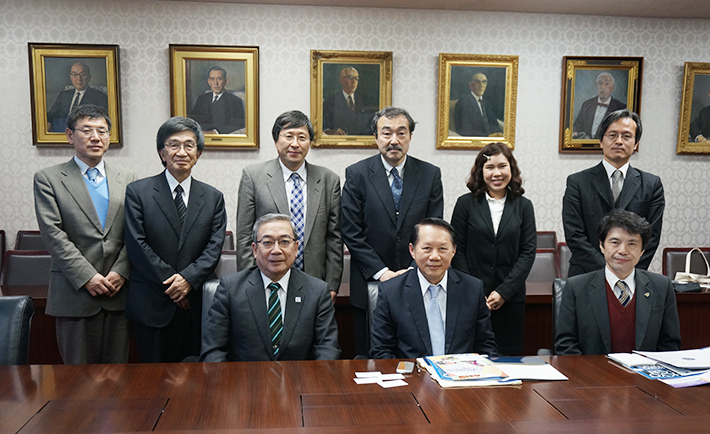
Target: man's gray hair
270,218
606,74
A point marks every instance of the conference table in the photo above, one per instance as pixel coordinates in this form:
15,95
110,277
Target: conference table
321,397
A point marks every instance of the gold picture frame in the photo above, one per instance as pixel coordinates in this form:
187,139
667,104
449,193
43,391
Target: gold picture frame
342,123
694,123
53,87
232,120
586,81
464,122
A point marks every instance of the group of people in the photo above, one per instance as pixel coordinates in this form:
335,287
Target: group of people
140,251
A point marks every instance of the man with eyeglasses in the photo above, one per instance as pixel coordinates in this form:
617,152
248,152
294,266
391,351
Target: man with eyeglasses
79,206
289,185
345,112
272,311
612,184
218,111
473,114
175,228
81,94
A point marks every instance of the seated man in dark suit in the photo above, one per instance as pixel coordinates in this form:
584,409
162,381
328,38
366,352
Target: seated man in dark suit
219,111
82,94
271,311
594,110
434,309
345,111
620,308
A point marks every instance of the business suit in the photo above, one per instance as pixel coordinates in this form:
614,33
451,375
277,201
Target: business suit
701,125
158,248
501,260
588,198
583,322
469,121
337,114
585,118
262,191
400,328
237,327
81,248
57,114
375,234
226,115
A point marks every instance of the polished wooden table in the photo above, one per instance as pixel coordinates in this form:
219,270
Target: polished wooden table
320,397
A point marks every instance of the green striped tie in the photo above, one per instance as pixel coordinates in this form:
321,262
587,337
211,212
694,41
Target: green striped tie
275,322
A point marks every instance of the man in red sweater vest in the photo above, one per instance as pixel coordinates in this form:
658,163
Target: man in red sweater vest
619,308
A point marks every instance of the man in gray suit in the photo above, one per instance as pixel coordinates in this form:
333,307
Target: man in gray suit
271,187
79,206
271,311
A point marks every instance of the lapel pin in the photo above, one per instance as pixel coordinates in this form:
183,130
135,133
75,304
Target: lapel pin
648,294
298,299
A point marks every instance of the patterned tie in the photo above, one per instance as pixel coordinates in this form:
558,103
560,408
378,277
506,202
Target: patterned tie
77,100
436,323
92,174
396,188
617,178
275,322
180,204
297,216
625,296
351,103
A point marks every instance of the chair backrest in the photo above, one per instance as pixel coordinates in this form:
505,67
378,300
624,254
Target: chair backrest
558,287
674,260
15,318
228,241
564,254
546,239
2,248
545,268
29,240
26,268
227,263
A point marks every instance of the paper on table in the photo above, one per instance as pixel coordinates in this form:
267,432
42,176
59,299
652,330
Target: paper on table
523,371
375,377
368,374
687,359
631,359
393,383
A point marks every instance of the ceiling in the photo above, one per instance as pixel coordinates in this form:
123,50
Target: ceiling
630,8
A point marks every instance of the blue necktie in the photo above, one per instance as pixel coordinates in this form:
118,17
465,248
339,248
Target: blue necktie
396,188
297,217
92,174
436,323
275,322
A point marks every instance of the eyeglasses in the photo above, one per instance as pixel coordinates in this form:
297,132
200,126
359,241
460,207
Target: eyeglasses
301,138
270,243
82,75
626,137
174,146
352,77
88,132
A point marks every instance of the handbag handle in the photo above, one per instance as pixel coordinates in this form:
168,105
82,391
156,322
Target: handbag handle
702,255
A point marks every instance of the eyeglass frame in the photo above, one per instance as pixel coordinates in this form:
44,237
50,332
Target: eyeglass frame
101,132
175,146
306,139
283,242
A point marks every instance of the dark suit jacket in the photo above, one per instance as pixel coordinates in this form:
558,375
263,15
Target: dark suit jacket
158,248
337,114
468,119
585,117
237,327
57,114
701,124
502,261
583,322
588,198
400,328
262,191
375,235
225,116
79,246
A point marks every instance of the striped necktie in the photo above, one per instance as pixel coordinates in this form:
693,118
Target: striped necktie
180,204
625,296
275,322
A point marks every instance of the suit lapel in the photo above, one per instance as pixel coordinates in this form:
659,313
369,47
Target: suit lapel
378,178
115,185
194,208
600,307
484,213
601,184
314,189
453,303
256,296
508,210
164,199
415,302
76,186
643,306
412,177
293,309
632,183
277,187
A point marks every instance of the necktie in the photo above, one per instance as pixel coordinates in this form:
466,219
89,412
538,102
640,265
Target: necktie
92,174
436,323
215,98
180,204
297,217
275,321
625,296
77,99
616,183
396,188
485,116
351,103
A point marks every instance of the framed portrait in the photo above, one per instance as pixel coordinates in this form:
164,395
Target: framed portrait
218,86
477,100
63,76
592,87
347,89
694,125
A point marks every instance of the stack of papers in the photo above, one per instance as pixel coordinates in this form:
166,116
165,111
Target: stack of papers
676,368
465,370
383,380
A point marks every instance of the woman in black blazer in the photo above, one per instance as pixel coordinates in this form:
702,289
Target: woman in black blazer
496,240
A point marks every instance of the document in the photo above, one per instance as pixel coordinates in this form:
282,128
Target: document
686,359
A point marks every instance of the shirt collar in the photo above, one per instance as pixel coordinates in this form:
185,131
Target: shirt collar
283,281
424,284
612,278
388,167
610,169
494,200
83,167
172,182
286,172
346,95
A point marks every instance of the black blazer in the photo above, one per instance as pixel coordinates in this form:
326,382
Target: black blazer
502,261
375,235
226,115
158,248
337,114
468,118
400,328
588,198
701,124
585,118
57,114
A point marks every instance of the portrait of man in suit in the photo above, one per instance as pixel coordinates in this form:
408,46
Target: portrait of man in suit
611,184
175,227
218,111
474,115
290,185
348,111
431,309
700,127
384,196
593,110
80,93
619,308
79,206
272,311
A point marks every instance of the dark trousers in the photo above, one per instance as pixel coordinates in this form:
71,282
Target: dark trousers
172,343
508,324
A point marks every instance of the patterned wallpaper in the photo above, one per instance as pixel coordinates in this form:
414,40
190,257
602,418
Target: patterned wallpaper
285,35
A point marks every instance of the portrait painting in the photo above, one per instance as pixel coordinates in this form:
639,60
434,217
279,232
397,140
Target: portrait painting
694,124
64,76
593,87
217,87
477,100
347,89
